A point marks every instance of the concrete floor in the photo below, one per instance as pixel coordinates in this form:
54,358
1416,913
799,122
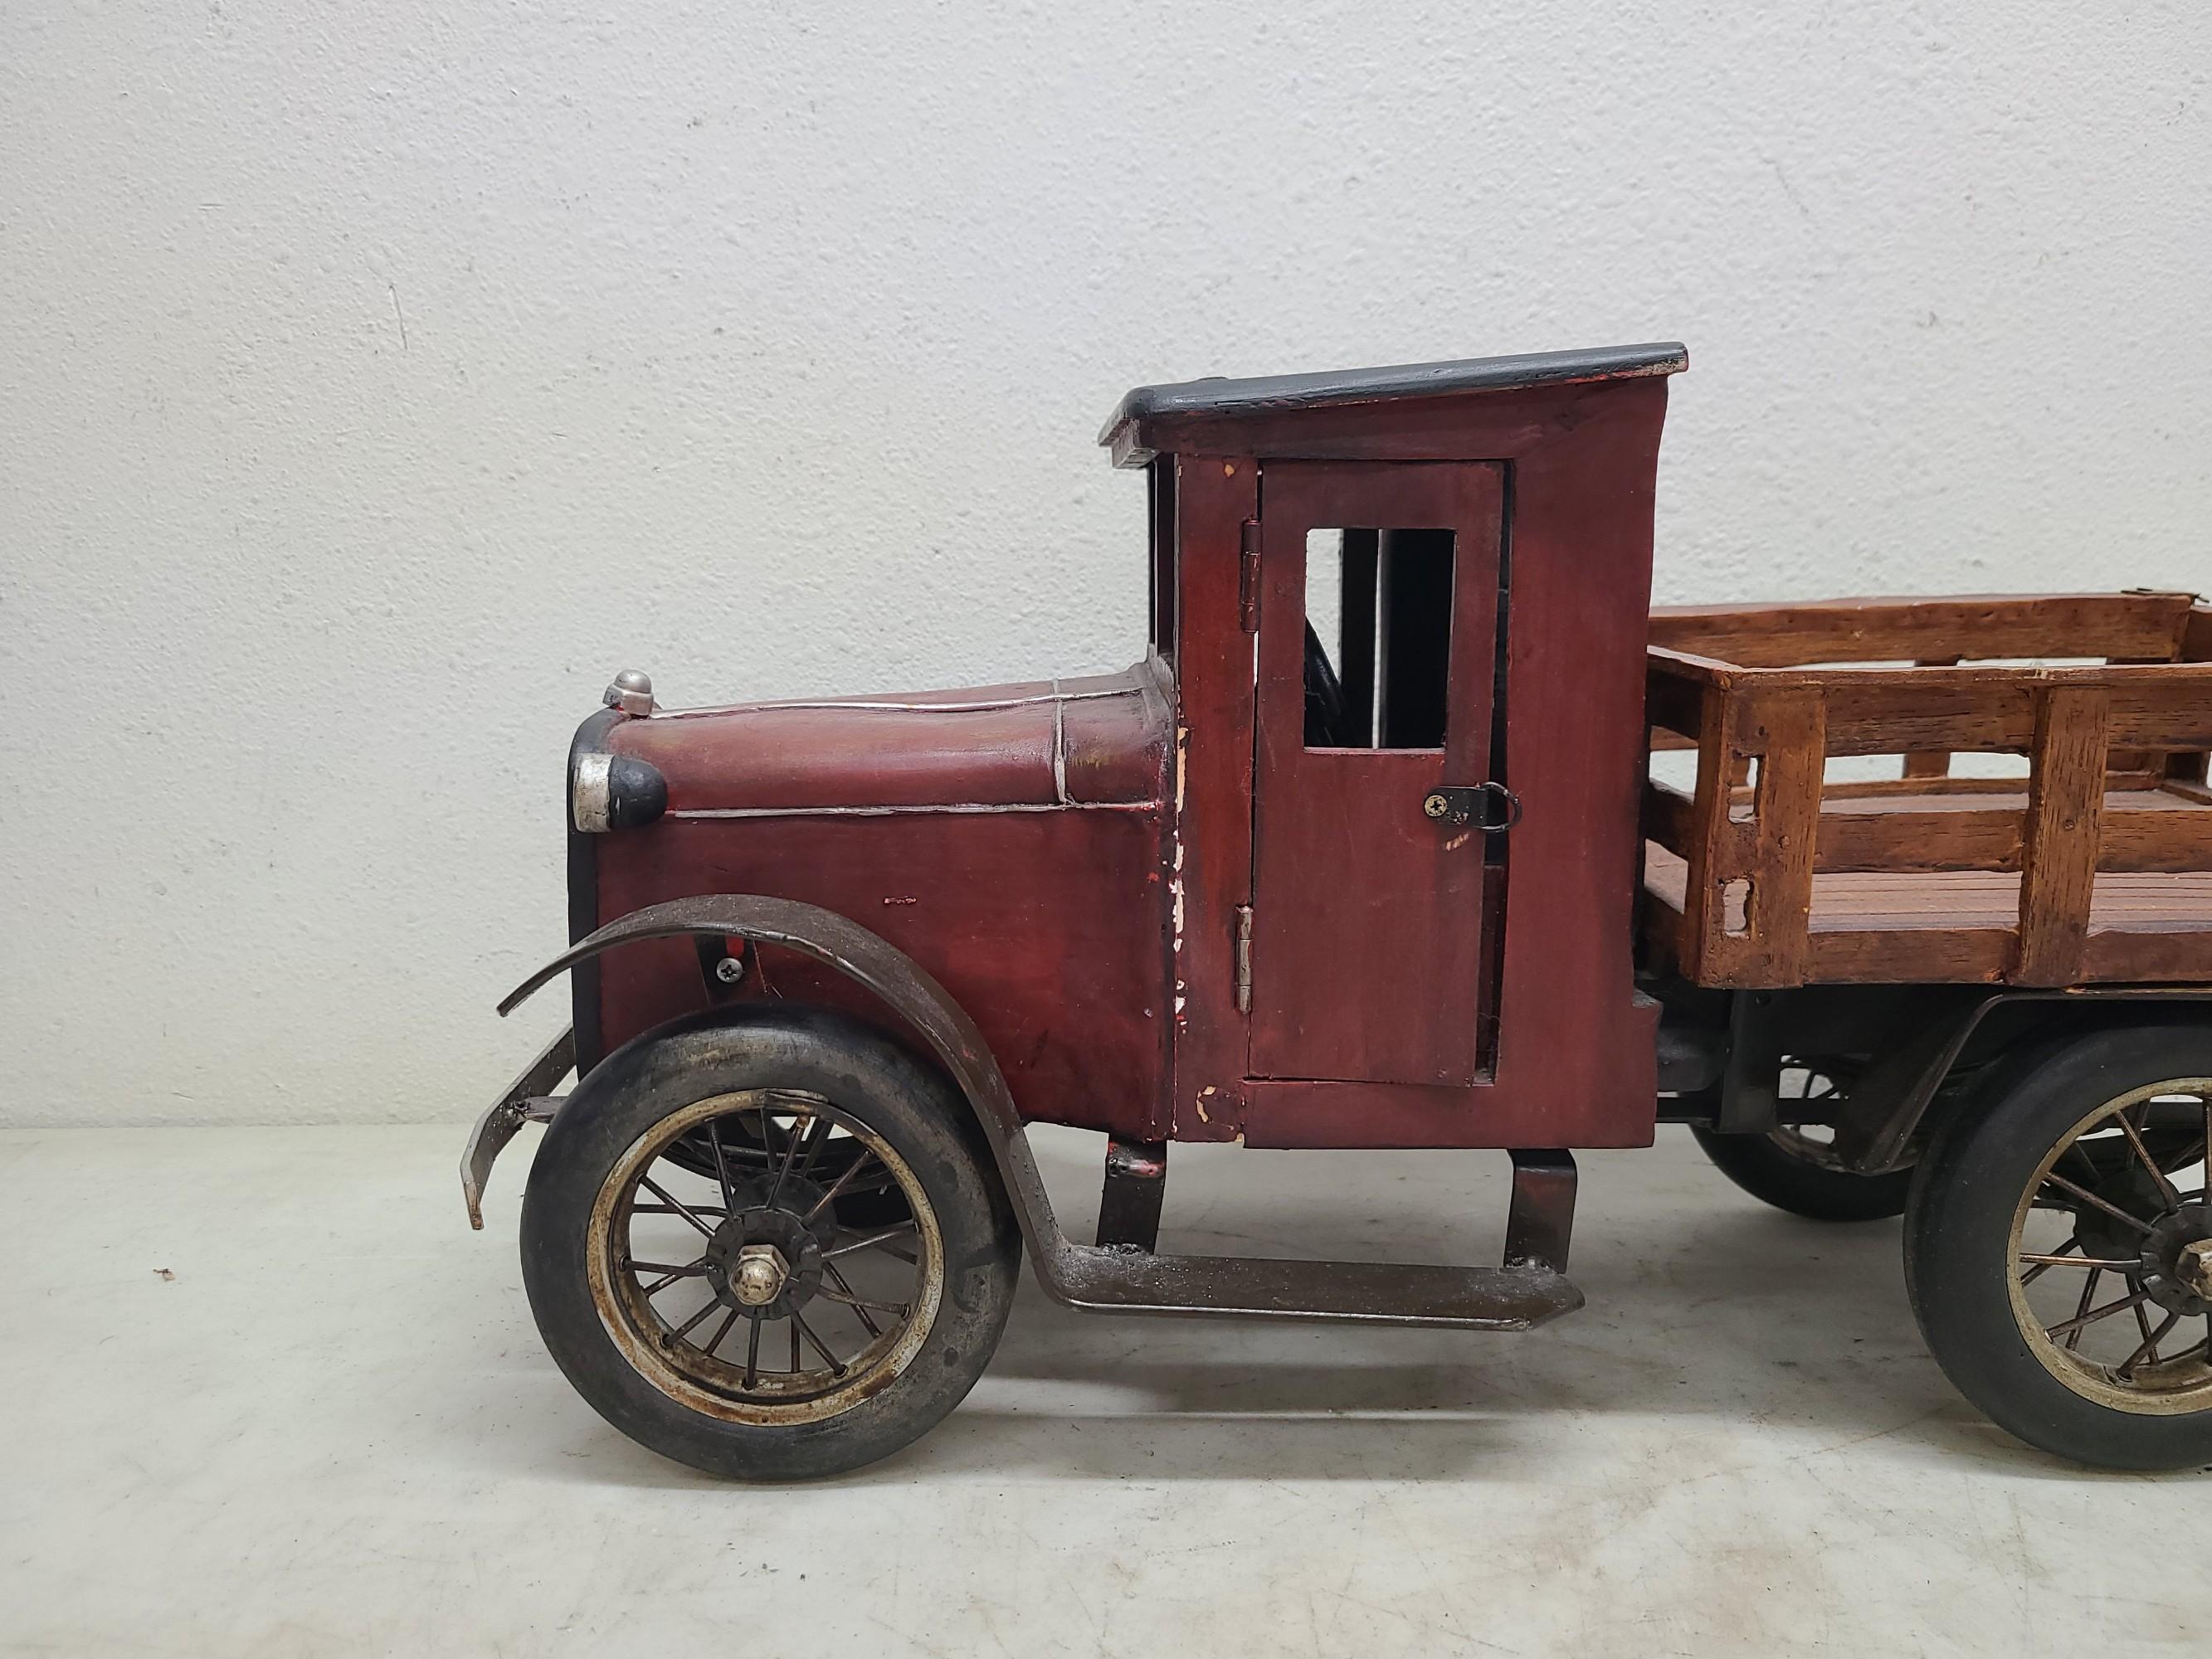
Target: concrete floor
264,1394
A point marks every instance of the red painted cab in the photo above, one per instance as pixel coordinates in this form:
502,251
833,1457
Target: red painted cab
1370,590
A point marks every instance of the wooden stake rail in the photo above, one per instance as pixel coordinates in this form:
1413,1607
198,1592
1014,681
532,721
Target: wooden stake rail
2096,866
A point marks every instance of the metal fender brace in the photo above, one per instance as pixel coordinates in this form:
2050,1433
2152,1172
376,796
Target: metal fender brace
1530,1289
1888,1103
529,1098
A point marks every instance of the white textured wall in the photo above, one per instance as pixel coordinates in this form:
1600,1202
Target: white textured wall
376,378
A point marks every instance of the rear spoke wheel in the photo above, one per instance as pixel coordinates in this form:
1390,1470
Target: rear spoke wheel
1796,1166
2058,1245
2122,1195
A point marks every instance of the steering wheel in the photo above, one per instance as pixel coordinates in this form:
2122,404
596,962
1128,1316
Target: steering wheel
1329,723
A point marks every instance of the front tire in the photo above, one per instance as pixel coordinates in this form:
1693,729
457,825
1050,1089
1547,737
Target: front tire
733,1319
2047,1248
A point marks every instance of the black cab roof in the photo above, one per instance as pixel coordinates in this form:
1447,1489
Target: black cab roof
1146,419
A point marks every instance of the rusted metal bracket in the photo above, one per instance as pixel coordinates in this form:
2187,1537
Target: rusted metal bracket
1129,1205
721,970
1248,577
1542,1222
1751,1081
529,1098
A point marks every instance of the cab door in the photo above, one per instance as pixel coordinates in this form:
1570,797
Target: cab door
1377,589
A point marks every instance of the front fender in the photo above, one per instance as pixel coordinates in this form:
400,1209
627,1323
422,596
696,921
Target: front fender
875,965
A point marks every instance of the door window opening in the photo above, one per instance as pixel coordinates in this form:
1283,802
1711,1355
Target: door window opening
1377,638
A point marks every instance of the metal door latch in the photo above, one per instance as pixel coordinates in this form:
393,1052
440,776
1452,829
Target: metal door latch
1490,807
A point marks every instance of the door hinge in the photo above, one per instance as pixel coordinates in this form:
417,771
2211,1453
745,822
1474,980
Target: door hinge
1243,958
1248,577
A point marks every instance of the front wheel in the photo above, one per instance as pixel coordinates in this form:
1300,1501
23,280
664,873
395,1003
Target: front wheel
2059,1250
733,1318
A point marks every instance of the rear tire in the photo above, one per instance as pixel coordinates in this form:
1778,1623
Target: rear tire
611,1320
1793,1171
1991,1172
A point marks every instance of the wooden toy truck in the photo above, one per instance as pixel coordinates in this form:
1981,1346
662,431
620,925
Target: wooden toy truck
1367,852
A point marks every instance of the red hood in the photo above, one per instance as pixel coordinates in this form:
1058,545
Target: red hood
1096,740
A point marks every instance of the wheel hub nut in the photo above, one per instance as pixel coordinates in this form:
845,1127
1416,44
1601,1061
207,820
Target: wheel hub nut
757,1275
2194,1268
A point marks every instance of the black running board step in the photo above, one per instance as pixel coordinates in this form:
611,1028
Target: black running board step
1109,1281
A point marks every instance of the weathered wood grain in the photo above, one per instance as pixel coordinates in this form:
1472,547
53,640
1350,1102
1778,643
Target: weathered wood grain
2096,866
1962,926
1785,824
2065,813
1976,626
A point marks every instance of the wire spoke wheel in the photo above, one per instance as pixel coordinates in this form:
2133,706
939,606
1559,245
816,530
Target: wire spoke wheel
1795,1165
1812,1081
2111,1253
867,1197
719,1265
699,1272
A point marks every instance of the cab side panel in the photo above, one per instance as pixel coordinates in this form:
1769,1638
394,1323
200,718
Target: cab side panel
1045,926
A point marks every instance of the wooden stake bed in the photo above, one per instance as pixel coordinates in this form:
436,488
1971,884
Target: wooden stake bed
2094,867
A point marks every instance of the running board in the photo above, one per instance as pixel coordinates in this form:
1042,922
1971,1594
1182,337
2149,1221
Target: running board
1121,1274
1108,1279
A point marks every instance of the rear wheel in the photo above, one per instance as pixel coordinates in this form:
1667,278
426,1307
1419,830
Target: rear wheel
2059,1250
1795,1167
733,1318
